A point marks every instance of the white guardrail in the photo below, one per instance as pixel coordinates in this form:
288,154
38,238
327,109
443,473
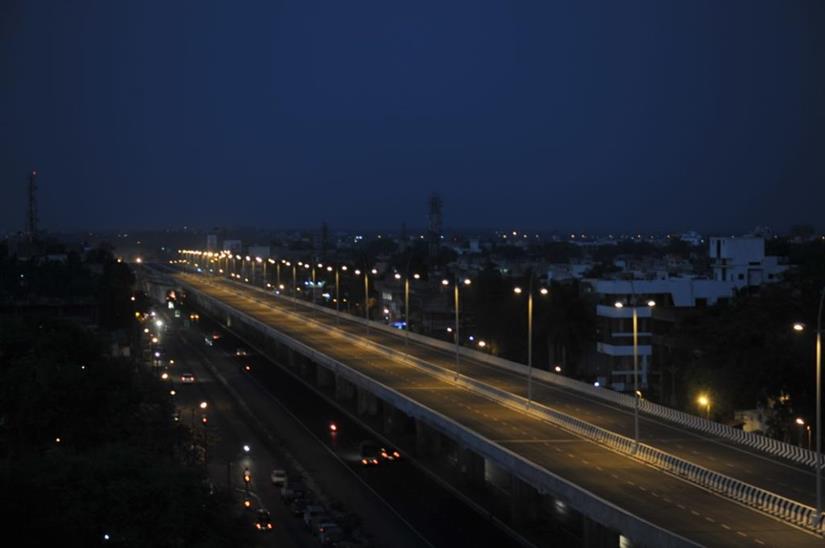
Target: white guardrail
760,442
771,503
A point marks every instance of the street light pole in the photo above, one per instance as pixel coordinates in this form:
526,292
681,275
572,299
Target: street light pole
457,332
313,284
457,339
338,295
407,310
530,342
819,410
294,280
367,299
635,375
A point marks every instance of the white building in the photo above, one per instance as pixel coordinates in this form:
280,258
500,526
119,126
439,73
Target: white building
212,242
742,261
232,245
615,341
262,251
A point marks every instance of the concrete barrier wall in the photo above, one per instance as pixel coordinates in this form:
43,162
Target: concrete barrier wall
771,503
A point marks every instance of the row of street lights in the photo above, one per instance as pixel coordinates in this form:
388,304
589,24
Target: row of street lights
457,283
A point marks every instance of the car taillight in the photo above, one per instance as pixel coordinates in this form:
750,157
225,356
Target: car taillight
269,526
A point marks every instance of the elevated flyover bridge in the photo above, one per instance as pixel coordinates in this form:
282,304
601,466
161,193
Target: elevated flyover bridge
679,487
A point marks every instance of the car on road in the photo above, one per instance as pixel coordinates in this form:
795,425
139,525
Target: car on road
292,490
390,454
263,521
278,477
241,352
310,511
370,453
297,507
319,521
330,534
187,377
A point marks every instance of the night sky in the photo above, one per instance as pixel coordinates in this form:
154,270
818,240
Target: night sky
575,114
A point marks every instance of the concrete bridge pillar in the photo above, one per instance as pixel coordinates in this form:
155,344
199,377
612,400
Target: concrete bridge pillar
394,420
427,440
596,535
470,467
525,501
323,377
344,390
291,358
367,404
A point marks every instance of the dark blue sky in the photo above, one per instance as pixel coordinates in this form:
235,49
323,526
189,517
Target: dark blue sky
596,114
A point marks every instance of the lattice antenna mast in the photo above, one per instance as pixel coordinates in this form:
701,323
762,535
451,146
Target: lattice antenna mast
31,214
436,220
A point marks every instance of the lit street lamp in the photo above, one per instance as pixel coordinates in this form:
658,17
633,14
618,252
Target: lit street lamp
801,422
798,327
704,401
519,291
636,392
456,331
407,304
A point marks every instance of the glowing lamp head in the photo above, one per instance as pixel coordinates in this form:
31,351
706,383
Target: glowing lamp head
544,291
799,327
619,304
517,290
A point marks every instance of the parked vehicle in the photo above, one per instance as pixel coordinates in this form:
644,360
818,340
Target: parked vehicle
311,511
318,521
330,533
187,377
278,477
297,507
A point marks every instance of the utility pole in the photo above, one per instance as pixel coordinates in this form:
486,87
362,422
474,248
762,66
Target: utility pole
31,213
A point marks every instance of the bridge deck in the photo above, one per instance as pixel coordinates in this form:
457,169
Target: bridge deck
648,493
